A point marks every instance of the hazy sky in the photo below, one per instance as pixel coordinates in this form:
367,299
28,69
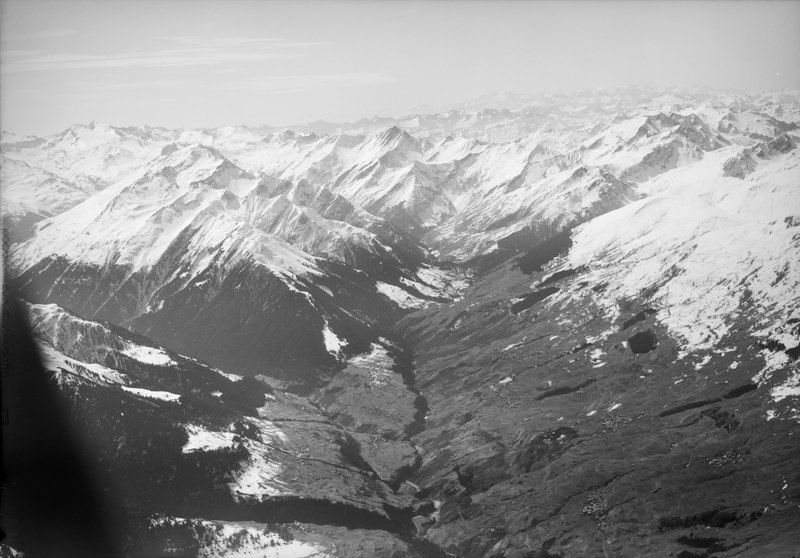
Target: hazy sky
178,63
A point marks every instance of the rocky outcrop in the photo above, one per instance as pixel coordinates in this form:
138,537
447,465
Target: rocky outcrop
748,159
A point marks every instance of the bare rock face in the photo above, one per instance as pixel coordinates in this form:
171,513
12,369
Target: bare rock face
746,162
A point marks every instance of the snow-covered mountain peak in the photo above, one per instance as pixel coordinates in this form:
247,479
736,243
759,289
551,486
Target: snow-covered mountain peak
85,137
394,147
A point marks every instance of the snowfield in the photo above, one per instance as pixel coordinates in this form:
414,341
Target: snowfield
333,344
153,394
58,362
403,298
377,362
149,355
227,539
707,242
259,479
201,439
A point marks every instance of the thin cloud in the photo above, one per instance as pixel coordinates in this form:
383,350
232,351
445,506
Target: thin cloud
236,42
91,87
309,82
11,53
221,51
283,83
193,39
38,35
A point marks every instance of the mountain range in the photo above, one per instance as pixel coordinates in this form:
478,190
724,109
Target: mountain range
550,326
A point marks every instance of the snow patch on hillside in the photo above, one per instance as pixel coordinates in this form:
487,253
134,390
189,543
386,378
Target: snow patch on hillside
268,430
789,388
148,355
57,361
201,439
246,539
400,296
255,542
53,312
151,394
259,475
377,362
231,377
450,283
258,478
704,242
333,343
